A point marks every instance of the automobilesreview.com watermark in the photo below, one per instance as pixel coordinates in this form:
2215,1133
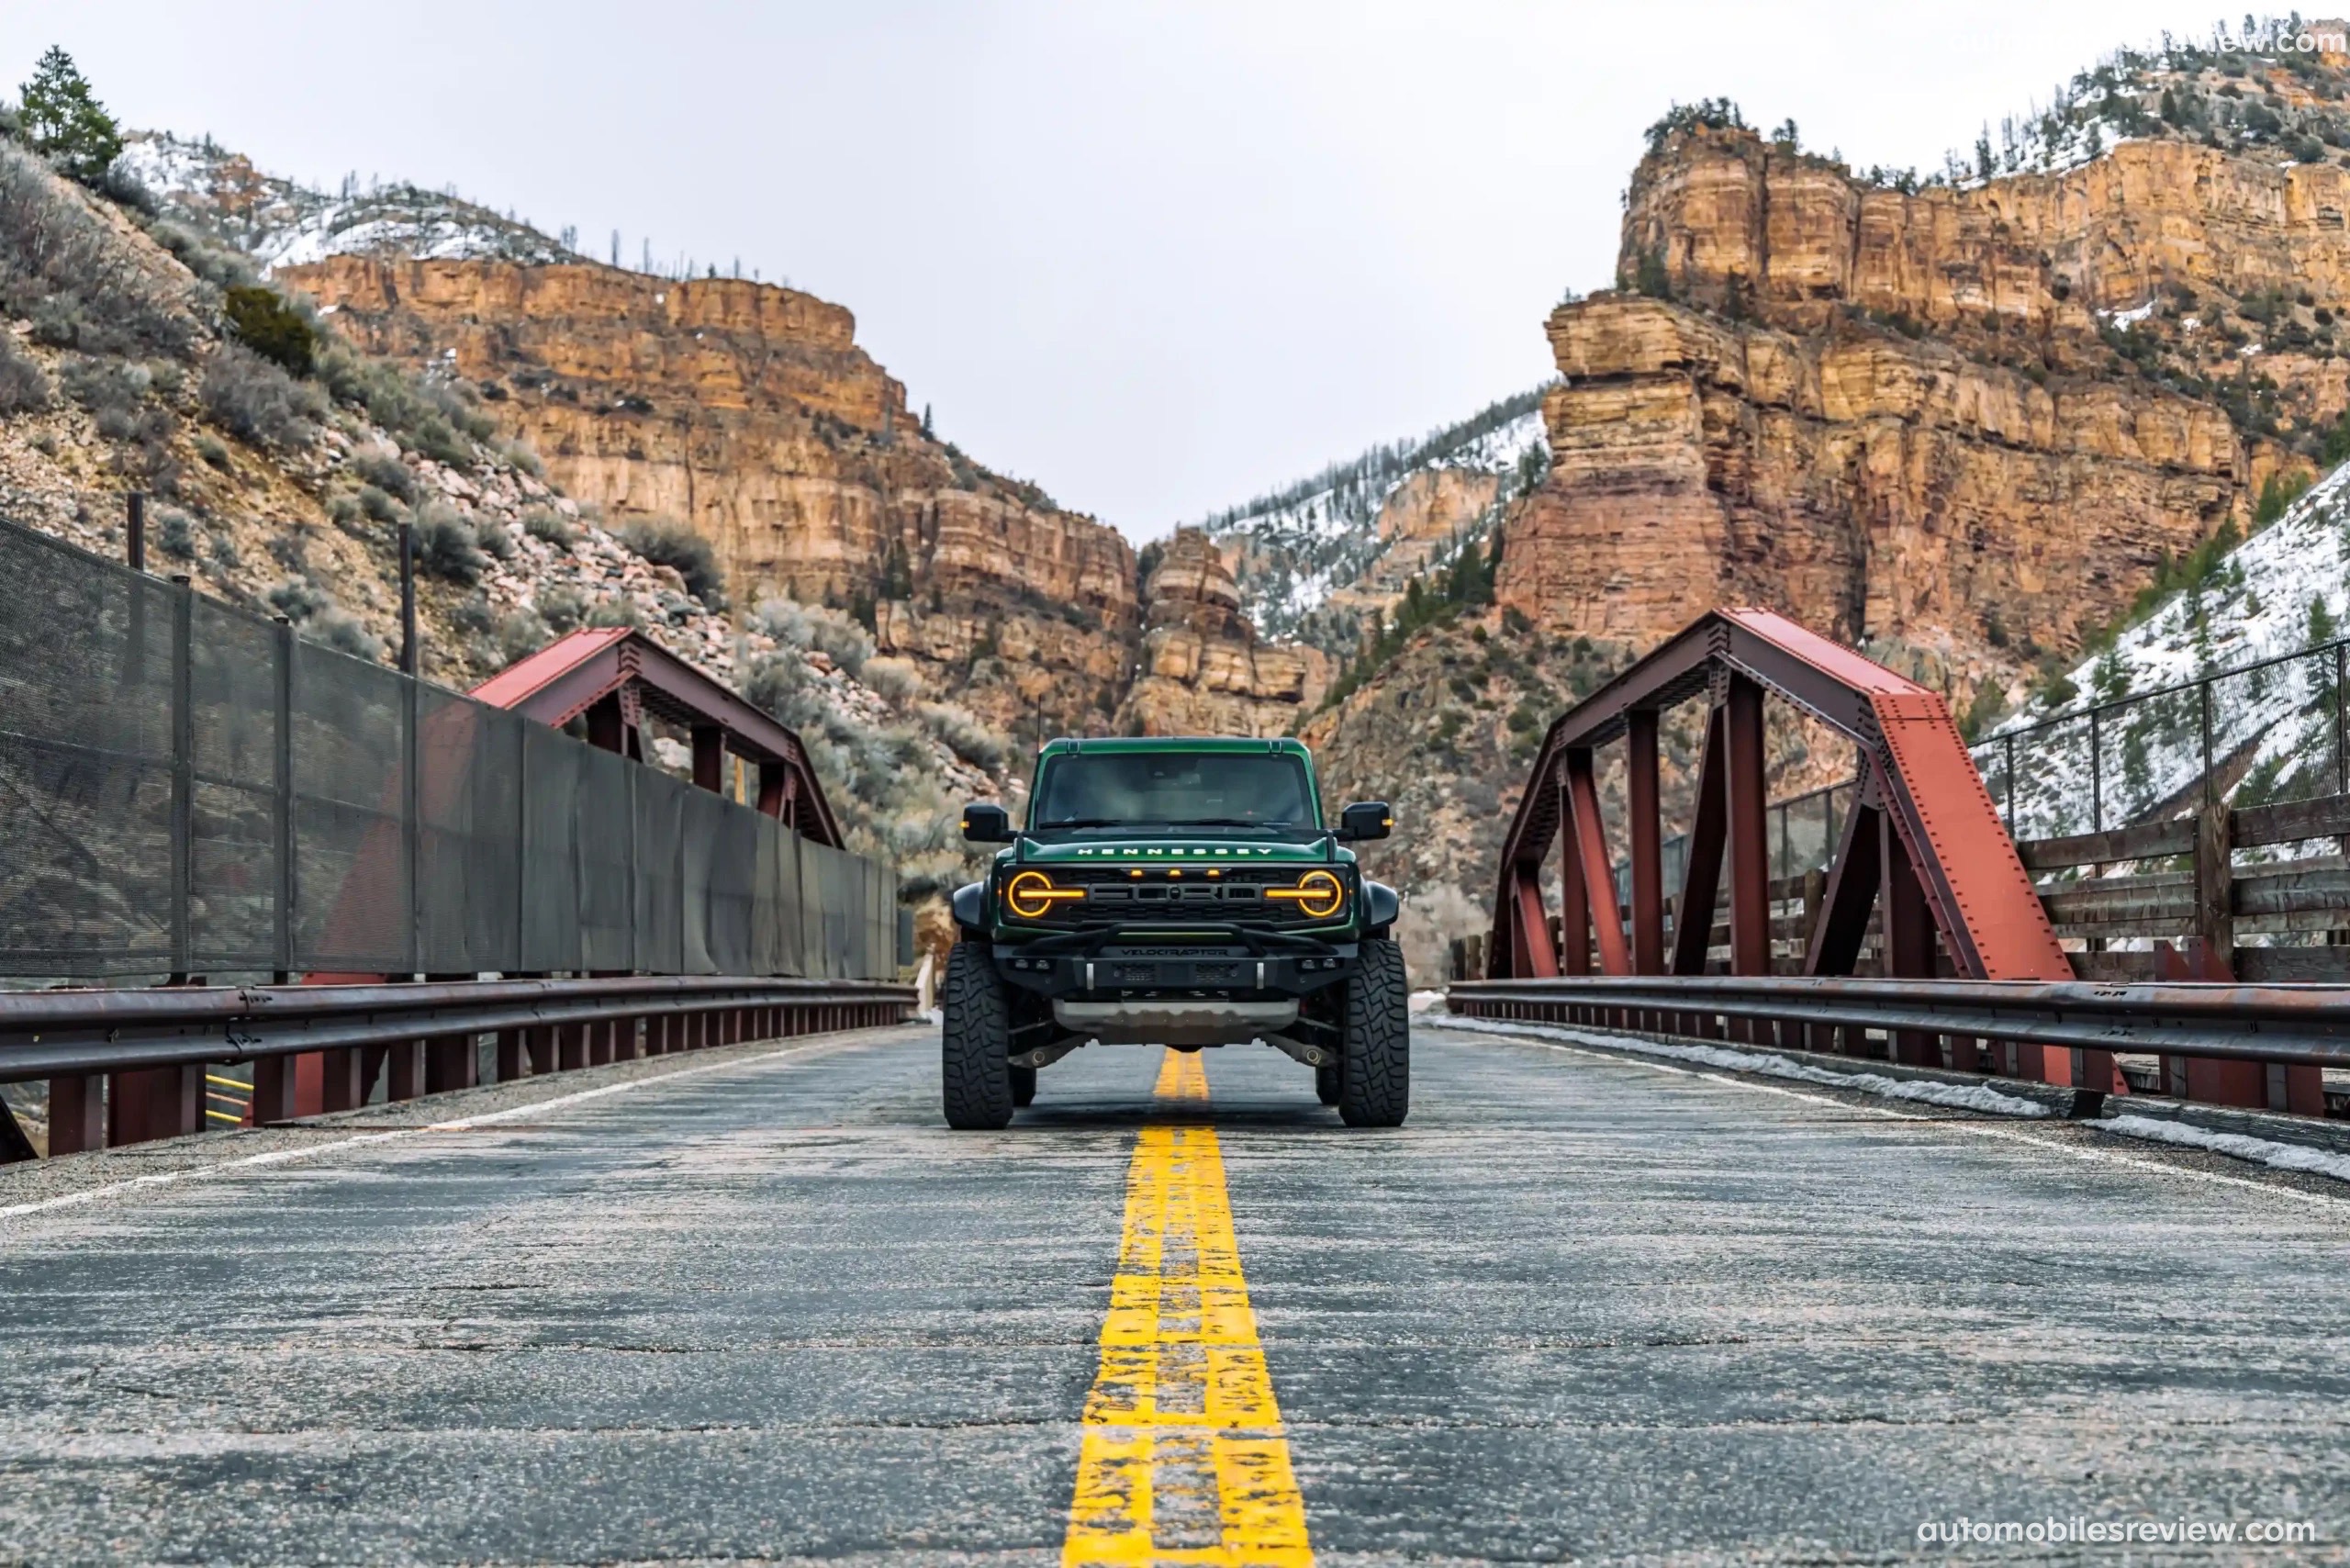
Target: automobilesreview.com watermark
2287,40
2082,1530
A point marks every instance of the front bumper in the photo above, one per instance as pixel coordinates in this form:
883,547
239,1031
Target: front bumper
1233,967
1175,1020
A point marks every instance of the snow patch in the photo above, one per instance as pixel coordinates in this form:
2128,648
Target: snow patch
2277,721
2259,1150
1954,1096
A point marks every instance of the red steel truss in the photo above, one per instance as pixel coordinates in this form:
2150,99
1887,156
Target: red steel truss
1924,847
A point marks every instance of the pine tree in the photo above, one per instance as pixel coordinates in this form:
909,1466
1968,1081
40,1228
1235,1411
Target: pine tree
64,121
927,434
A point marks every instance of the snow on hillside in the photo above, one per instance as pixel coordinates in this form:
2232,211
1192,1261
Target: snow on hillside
1298,544
2272,728
280,223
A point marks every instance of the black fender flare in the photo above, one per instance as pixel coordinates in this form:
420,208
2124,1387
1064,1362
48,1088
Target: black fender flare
1381,906
970,905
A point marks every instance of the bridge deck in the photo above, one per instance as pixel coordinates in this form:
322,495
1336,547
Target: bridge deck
768,1307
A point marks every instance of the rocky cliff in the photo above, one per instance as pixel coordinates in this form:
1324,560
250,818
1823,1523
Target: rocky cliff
1325,560
1204,670
1966,423
747,410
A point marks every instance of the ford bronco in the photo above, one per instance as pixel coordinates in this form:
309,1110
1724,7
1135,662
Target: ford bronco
1176,893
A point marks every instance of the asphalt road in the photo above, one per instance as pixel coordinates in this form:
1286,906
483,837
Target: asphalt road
770,1308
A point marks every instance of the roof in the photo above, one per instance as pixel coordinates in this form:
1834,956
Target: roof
570,676
1115,745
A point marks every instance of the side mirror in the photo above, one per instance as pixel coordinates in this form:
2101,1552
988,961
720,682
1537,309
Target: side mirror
986,822
1366,819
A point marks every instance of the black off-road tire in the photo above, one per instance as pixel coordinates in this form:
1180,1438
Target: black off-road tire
1326,1084
1375,1043
1023,1085
975,1042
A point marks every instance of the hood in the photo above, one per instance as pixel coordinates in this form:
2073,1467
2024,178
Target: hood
1207,849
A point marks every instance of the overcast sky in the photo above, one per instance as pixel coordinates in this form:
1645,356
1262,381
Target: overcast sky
1157,258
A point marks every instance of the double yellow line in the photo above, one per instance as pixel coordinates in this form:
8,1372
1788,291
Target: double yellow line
1183,1459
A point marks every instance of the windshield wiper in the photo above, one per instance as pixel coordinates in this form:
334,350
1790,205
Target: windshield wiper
1225,822
1084,821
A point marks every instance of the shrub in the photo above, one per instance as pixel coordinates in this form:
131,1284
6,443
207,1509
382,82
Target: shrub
497,540
617,610
375,504
524,456
340,630
550,525
562,608
176,534
471,615
23,389
299,598
387,472
264,323
814,627
342,509
446,546
103,386
210,449
521,634
670,544
893,680
960,731
67,270
392,401
251,398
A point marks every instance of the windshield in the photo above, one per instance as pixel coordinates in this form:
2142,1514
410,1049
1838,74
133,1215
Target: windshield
1173,789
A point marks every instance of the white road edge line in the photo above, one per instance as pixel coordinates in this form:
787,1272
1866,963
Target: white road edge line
1629,1053
461,1124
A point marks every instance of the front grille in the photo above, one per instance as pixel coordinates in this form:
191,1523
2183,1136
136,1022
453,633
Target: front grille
1113,894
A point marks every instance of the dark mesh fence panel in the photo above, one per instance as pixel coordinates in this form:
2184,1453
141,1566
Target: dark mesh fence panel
352,897
469,843
660,884
698,811
86,874
731,890
186,787
552,773
233,868
604,850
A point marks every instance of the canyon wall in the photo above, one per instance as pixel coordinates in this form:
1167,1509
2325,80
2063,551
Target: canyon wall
749,412
1902,418
1202,669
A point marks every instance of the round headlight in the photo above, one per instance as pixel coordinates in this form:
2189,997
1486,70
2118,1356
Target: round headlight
1031,894
1318,893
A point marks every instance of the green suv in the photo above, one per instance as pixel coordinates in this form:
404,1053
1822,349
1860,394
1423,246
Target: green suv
1175,893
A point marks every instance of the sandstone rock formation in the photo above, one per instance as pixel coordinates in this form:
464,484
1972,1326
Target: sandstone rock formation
1204,670
1886,490
749,412
1901,417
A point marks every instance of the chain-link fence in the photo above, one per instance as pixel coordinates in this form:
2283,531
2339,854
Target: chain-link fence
185,789
2256,735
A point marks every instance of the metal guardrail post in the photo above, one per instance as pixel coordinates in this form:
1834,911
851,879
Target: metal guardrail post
2203,702
412,824
282,807
183,773
2012,786
2096,773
